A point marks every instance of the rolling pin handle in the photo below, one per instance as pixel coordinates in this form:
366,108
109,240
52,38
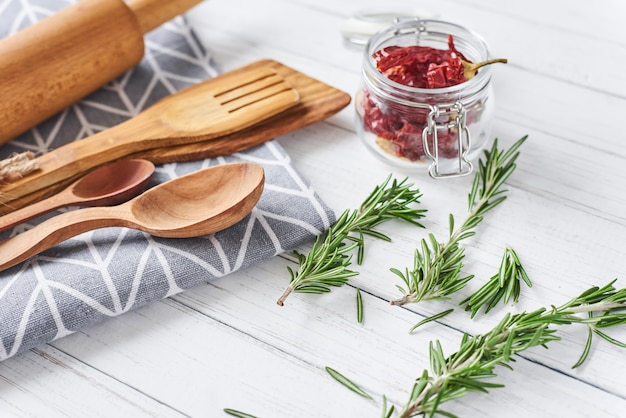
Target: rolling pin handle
153,13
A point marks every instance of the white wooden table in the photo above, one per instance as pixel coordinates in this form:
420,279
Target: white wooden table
228,345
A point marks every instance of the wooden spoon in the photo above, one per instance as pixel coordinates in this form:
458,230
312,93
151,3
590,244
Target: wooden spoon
108,185
199,203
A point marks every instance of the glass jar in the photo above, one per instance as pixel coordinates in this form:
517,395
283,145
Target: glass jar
441,129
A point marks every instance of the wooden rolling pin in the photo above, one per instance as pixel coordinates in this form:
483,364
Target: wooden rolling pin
58,61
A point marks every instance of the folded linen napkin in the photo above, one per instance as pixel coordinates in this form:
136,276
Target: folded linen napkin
110,271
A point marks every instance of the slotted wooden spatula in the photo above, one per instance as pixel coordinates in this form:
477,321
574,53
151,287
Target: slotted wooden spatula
318,101
211,109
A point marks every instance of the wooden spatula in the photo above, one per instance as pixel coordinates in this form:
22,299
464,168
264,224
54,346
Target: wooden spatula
214,108
318,101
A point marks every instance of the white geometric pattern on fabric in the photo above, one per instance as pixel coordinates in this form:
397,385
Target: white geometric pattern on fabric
110,271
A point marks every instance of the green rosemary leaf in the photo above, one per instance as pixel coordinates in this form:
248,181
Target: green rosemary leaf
507,347
525,277
426,250
404,276
387,413
420,385
492,204
510,290
376,234
313,289
618,296
359,306
347,383
474,385
586,350
504,263
481,296
457,285
291,274
508,155
412,216
360,248
430,319
502,177
471,222
451,224
400,288
611,319
437,358
592,291
473,194
238,414
438,397
609,339
446,414
466,235
500,294
433,242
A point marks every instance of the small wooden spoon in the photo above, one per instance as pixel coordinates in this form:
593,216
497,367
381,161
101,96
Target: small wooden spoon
199,203
108,185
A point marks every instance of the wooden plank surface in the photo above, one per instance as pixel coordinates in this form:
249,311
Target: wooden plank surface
227,344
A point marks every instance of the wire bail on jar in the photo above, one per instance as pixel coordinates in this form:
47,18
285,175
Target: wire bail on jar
457,121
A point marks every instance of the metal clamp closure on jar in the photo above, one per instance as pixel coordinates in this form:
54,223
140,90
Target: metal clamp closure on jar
457,120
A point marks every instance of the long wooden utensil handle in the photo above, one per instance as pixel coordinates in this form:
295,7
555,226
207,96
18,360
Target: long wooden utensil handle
32,211
82,156
58,229
153,13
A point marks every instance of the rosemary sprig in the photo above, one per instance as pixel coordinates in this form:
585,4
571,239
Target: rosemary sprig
466,370
328,262
436,271
500,287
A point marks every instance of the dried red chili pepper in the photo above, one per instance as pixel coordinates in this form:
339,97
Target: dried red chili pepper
421,66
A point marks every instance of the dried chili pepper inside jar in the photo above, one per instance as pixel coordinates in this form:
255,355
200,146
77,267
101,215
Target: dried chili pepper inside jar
414,108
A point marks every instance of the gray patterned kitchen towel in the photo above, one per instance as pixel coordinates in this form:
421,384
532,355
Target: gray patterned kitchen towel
110,271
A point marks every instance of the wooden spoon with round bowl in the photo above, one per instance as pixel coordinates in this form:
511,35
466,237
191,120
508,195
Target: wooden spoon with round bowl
200,203
108,185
